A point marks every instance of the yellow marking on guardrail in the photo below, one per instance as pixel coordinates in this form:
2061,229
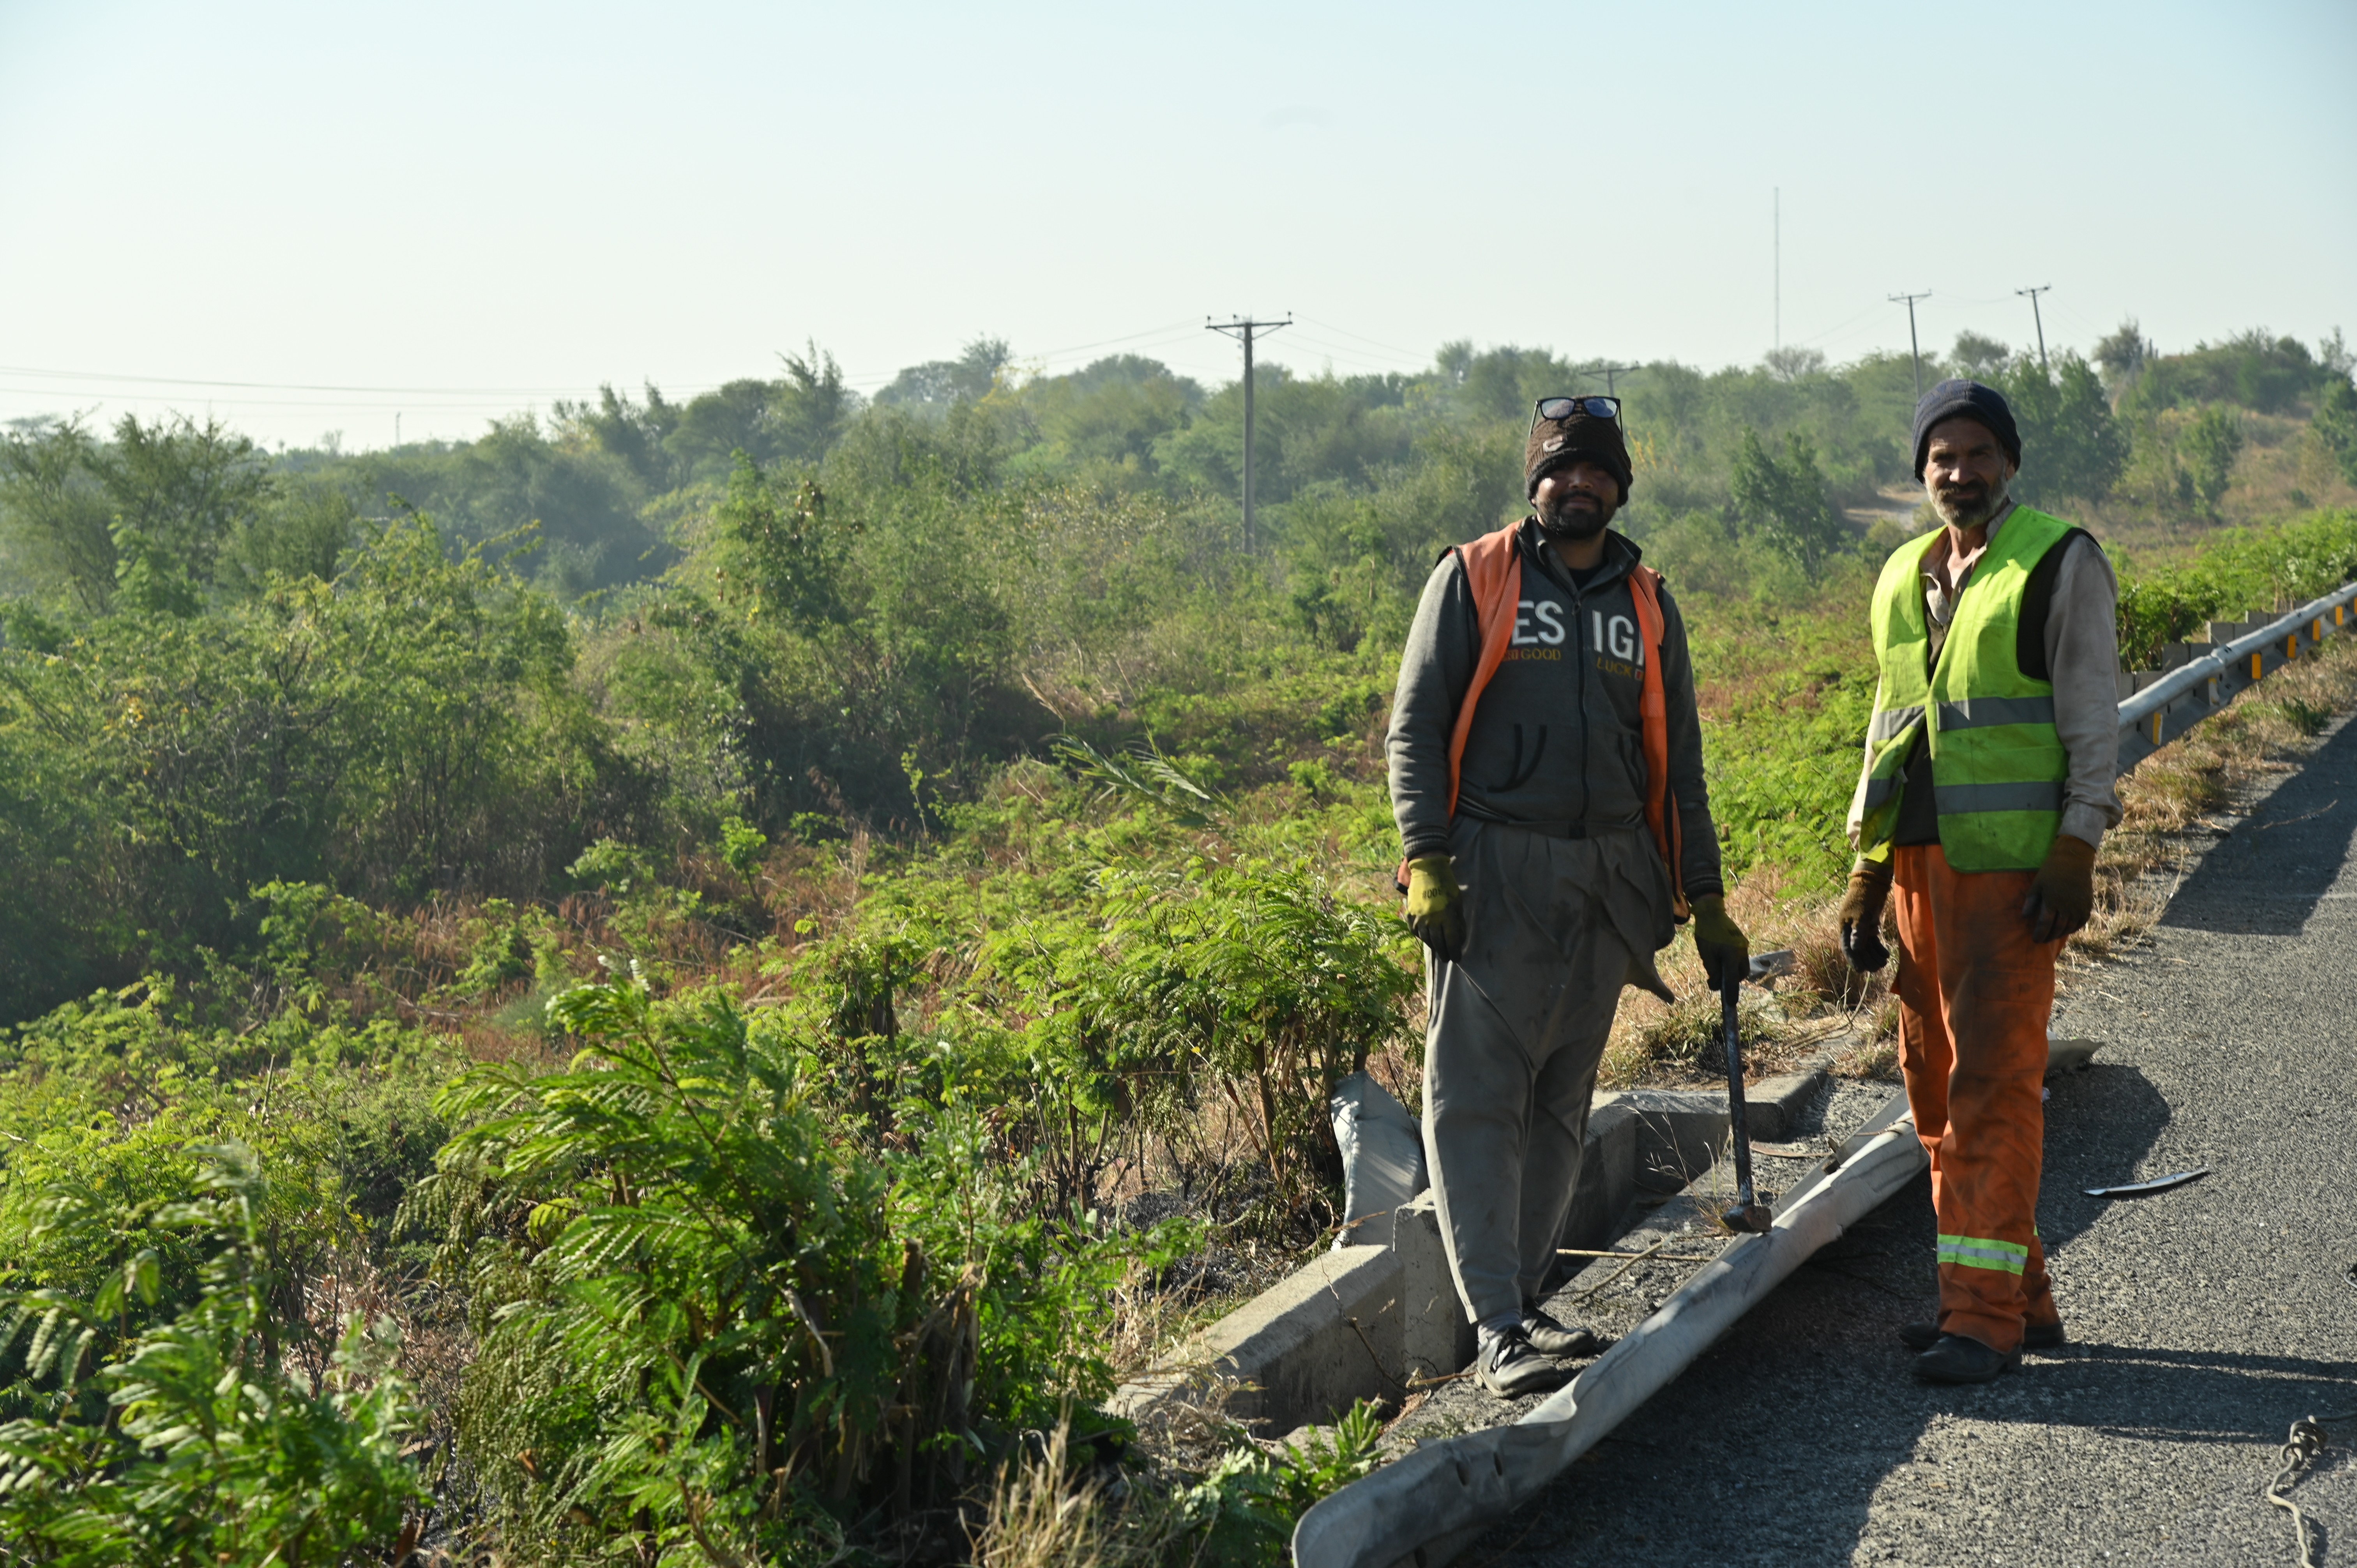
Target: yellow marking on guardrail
2255,666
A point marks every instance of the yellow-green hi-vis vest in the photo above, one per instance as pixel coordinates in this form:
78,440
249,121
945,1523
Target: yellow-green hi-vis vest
1998,763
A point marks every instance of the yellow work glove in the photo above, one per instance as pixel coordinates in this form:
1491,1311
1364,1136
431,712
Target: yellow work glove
1720,942
2062,895
1435,910
1861,915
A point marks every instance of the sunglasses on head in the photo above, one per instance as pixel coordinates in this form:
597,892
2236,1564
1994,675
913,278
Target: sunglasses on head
1564,407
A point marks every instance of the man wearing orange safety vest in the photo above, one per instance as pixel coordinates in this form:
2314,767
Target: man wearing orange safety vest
1987,786
1546,775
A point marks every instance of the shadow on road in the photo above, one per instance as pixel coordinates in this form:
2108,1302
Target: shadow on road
2268,878
2100,1126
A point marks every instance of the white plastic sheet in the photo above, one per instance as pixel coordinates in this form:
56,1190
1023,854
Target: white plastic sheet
1383,1155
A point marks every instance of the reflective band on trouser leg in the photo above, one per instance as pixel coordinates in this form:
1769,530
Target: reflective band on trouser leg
1975,994
1982,1253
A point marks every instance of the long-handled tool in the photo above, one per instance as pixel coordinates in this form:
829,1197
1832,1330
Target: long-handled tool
1749,1213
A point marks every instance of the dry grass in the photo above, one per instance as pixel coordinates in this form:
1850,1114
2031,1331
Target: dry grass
1874,1055
2171,802
1657,1045
1045,1513
1684,1041
1042,1516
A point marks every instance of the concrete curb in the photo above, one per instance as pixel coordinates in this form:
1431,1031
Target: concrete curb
1367,1321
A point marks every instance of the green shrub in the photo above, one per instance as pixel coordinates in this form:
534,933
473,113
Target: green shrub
1258,987
704,1312
172,1434
1242,1512
2243,570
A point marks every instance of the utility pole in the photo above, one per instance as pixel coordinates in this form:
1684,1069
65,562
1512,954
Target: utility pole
1608,372
2034,316
1913,349
1243,331
1777,340
396,430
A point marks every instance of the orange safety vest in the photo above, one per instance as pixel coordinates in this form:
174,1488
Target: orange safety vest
1493,572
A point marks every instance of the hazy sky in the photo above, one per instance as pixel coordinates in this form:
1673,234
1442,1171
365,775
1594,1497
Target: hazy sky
457,210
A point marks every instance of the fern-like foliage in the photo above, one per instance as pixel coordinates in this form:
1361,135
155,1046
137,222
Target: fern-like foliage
1146,774
712,1314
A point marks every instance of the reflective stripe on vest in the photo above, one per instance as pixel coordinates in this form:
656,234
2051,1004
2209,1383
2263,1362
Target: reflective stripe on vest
1998,763
1494,579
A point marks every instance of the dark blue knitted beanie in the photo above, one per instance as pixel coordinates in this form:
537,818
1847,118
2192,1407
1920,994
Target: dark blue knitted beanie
1965,400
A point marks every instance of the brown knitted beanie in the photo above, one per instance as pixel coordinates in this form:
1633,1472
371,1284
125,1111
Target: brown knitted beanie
1558,443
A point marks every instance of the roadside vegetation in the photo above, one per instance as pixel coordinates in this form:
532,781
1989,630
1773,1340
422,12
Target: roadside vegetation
696,981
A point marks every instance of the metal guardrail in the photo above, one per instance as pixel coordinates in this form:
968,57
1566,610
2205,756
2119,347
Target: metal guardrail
2169,701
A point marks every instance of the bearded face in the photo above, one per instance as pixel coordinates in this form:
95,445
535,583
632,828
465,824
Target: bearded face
1965,473
1578,501
1965,503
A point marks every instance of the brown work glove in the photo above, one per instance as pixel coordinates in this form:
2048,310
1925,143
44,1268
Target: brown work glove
2063,895
1435,910
1861,915
1720,942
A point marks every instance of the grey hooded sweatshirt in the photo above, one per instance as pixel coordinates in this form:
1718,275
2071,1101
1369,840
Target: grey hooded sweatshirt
1556,743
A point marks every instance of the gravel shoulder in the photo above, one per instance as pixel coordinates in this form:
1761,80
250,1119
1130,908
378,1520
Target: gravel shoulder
2204,1320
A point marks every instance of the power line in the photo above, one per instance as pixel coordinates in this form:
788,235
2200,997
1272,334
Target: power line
1242,331
2035,315
1914,349
1410,353
1363,361
1368,356
1838,327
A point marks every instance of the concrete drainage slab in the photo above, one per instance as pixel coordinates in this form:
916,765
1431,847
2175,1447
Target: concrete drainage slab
1380,1320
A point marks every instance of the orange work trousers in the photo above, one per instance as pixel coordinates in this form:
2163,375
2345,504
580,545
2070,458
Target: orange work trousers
1975,995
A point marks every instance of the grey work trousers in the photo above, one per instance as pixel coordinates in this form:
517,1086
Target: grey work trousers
1553,928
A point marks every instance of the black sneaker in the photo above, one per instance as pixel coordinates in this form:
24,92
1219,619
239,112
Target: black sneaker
1960,1359
1549,1337
1511,1366
2034,1336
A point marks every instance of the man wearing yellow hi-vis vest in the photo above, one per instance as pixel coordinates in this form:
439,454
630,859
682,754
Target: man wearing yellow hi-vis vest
1986,787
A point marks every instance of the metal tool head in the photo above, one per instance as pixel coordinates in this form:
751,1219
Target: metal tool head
1753,1217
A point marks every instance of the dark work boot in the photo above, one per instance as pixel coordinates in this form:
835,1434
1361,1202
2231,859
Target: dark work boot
2034,1336
1511,1366
1549,1337
1960,1359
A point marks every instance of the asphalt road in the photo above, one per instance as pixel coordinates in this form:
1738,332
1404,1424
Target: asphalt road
2204,1319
